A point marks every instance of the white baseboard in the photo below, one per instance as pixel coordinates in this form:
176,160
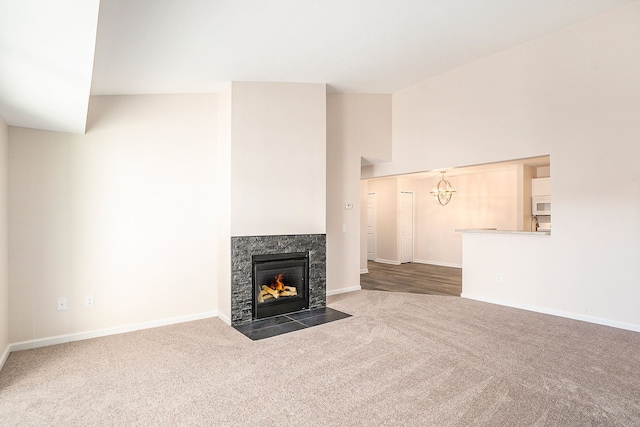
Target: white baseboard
559,313
387,261
224,318
364,271
441,264
4,356
343,290
61,339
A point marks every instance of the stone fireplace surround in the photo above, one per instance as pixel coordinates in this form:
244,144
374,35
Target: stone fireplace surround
243,247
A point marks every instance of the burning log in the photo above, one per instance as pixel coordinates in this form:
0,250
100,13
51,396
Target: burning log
264,296
274,293
277,289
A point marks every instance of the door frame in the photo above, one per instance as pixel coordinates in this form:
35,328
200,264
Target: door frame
374,213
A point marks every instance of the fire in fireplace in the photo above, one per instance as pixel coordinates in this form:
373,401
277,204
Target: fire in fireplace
280,283
276,289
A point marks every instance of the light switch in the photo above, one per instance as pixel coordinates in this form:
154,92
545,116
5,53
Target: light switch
344,228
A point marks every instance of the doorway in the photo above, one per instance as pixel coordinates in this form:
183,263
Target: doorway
371,226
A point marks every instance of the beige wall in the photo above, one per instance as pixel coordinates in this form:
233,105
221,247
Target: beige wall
4,255
485,199
223,204
278,158
124,213
573,95
357,125
133,212
525,174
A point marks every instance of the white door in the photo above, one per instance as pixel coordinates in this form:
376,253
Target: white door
371,226
405,220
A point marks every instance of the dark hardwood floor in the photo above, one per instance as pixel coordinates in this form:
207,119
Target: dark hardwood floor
413,278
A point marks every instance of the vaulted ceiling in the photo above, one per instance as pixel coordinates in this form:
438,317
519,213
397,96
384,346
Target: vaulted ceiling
54,55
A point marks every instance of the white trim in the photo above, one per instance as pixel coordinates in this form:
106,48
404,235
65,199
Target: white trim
441,264
387,261
559,313
364,271
224,318
344,290
61,339
4,356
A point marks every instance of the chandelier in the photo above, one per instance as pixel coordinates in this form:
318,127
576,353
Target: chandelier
444,191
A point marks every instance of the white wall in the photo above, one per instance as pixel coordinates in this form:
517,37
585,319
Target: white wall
573,95
223,205
357,125
134,211
278,158
525,174
482,200
125,213
4,255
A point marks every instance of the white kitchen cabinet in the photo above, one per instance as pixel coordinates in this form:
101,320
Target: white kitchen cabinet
540,187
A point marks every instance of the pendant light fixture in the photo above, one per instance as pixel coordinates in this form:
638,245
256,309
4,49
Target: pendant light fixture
444,191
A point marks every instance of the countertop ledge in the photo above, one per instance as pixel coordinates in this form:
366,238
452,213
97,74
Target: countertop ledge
495,231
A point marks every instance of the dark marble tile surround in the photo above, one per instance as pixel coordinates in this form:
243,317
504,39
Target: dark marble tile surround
243,247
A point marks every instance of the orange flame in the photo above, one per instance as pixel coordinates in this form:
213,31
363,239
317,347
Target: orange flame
278,285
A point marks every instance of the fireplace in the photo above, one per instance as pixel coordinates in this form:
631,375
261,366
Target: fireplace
243,284
280,283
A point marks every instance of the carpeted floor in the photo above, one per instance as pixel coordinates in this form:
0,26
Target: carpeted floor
401,359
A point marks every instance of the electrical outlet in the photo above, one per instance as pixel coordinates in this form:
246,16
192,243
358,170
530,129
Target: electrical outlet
88,300
62,303
498,277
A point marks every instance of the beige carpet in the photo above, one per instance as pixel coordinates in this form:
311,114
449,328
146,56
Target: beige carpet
402,359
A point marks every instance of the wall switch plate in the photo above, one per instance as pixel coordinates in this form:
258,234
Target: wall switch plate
344,228
62,303
88,300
